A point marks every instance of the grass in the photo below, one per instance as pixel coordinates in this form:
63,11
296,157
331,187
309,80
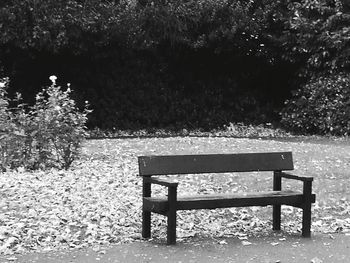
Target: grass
98,201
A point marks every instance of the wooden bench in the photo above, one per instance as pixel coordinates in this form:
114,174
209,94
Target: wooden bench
277,162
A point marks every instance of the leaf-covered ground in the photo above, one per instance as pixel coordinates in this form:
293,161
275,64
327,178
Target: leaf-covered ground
98,201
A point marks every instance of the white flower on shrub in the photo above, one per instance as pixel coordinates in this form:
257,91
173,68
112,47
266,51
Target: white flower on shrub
53,79
2,84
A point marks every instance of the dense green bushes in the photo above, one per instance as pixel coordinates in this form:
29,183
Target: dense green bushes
83,26
174,64
322,106
318,34
49,134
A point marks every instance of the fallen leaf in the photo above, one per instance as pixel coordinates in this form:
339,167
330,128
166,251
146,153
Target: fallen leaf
316,260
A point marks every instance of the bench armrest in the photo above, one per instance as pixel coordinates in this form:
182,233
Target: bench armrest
164,182
295,177
307,184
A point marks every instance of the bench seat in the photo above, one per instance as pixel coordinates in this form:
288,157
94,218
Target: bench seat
286,197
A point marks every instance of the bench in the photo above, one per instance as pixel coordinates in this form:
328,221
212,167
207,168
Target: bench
151,167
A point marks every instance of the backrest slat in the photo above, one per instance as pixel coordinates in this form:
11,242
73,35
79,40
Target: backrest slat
214,163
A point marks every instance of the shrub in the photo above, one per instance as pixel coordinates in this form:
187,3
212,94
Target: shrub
3,103
59,126
48,134
13,151
5,123
322,106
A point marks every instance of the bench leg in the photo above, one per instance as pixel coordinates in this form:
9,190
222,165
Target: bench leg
276,209
306,230
146,224
276,217
171,230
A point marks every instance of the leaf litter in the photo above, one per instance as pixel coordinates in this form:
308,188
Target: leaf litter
98,201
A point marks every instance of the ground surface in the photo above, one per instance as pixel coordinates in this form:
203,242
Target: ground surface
98,201
320,248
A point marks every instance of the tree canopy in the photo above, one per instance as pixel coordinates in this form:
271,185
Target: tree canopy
238,42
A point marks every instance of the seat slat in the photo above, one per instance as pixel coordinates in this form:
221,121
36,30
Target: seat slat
214,163
160,205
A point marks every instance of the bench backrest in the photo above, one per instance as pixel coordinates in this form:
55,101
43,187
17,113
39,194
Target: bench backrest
214,163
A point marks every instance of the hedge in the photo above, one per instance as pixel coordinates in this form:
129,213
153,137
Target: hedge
164,63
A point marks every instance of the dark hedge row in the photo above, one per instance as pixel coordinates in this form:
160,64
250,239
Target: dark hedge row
146,92
173,64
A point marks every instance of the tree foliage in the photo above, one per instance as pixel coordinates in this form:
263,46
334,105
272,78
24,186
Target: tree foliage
317,33
314,30
249,53
58,25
